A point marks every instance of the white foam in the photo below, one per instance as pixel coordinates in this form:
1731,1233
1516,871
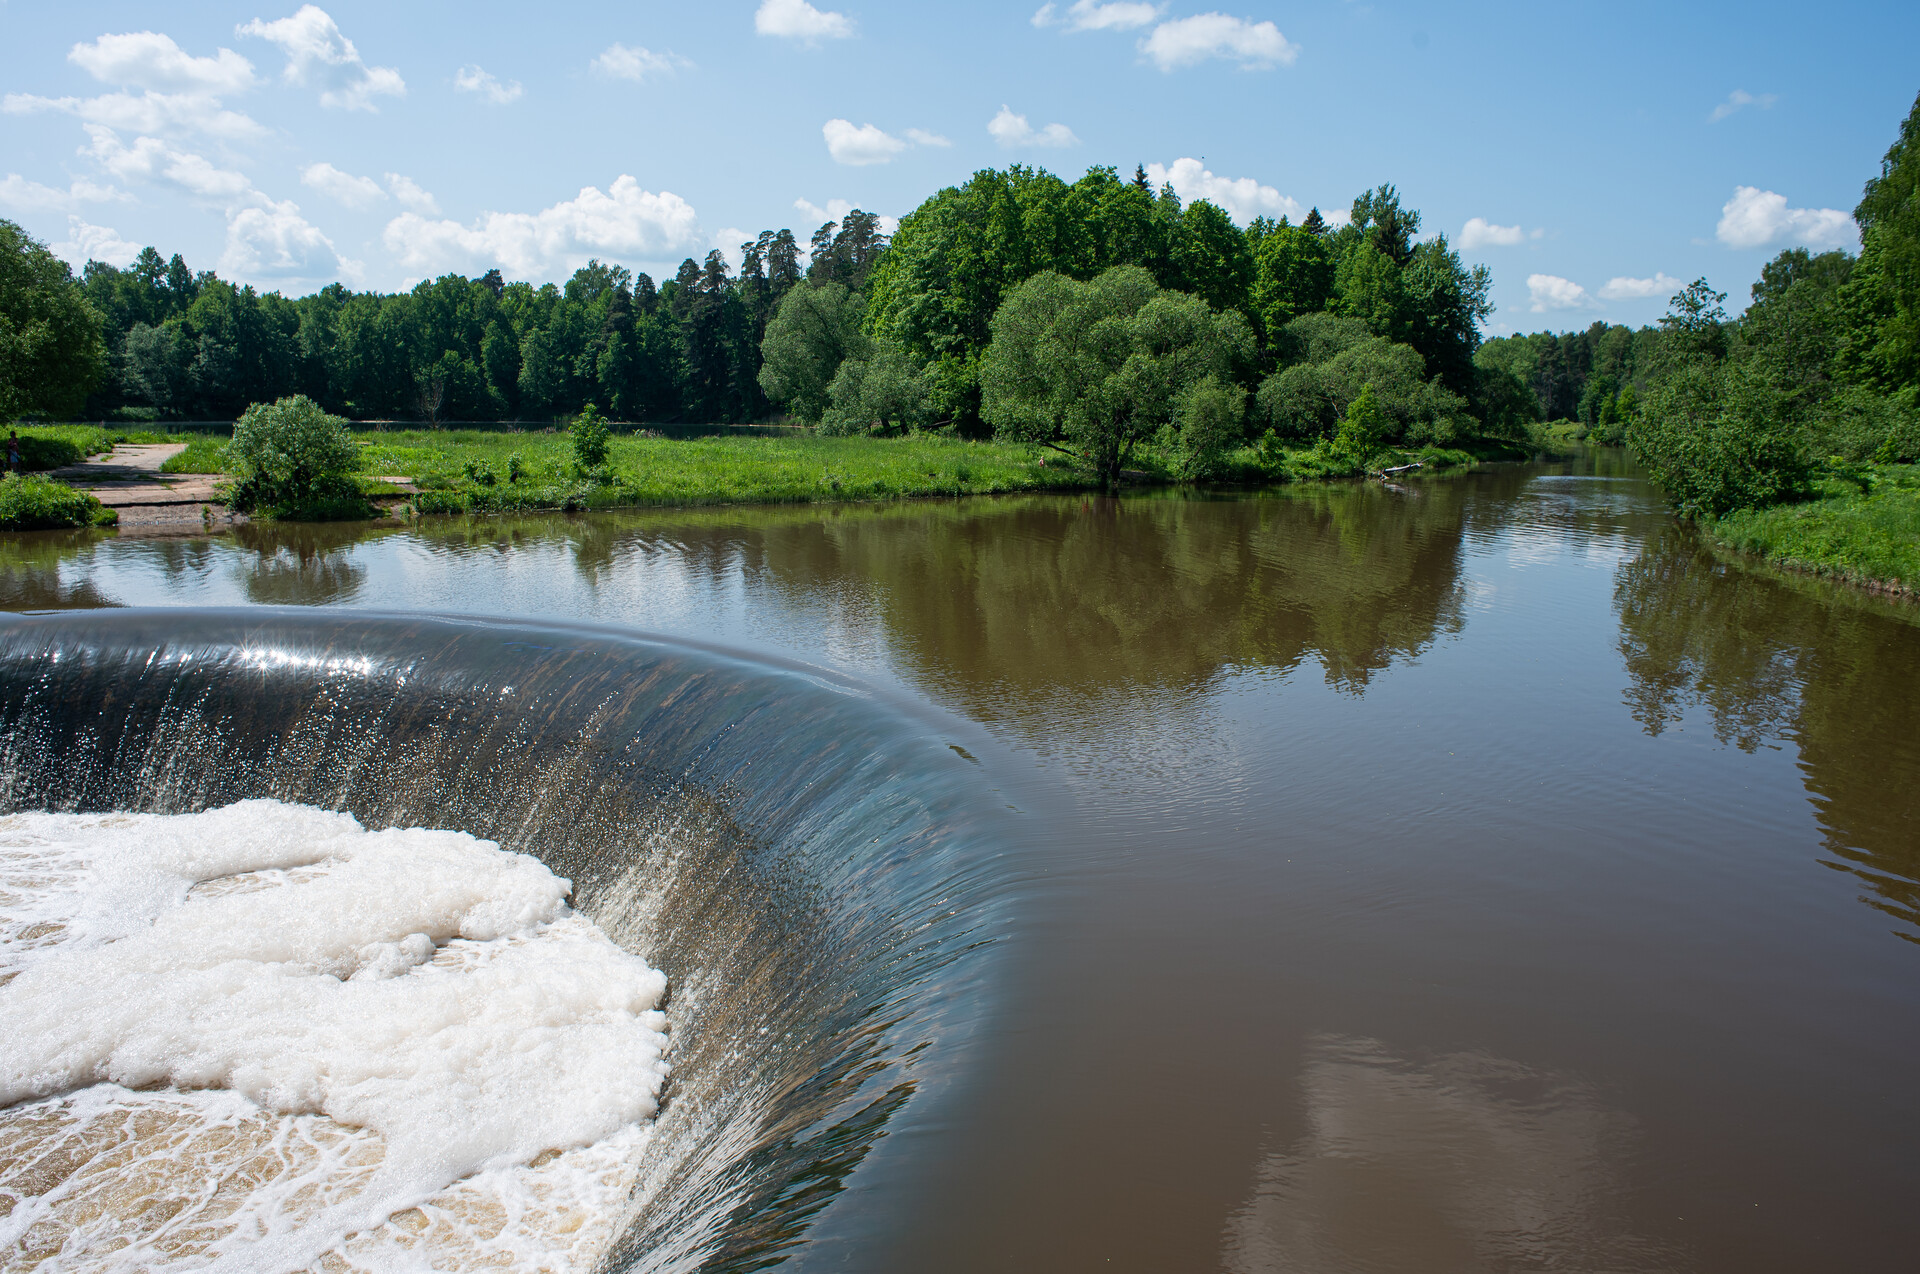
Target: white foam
423,992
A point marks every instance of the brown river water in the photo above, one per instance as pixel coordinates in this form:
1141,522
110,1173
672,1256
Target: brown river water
1480,875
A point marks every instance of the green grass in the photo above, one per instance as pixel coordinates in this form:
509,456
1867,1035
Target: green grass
204,454
35,503
1866,537
470,469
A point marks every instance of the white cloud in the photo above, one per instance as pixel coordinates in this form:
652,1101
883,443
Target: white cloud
273,241
921,137
17,192
626,220
149,60
410,195
863,145
1086,15
637,63
1739,99
1623,288
152,160
173,113
87,242
835,209
471,79
1256,46
1755,218
798,20
1012,130
318,51
342,187
1481,233
1551,292
1242,197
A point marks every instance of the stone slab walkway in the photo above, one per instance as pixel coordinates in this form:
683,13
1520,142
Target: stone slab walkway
128,480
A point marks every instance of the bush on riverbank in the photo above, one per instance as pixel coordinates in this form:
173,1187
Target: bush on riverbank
35,503
1865,529
292,461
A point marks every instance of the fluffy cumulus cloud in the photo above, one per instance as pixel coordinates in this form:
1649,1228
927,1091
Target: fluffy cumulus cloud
86,242
636,63
1086,15
411,196
319,53
178,93
30,196
1549,292
342,187
798,20
1256,46
1756,218
625,220
1242,197
473,79
268,240
1012,131
149,60
1481,233
272,241
865,144
1739,100
1625,288
174,114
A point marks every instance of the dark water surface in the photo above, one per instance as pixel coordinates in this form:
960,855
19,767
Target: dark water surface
1480,876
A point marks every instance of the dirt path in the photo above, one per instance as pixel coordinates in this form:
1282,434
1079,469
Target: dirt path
128,480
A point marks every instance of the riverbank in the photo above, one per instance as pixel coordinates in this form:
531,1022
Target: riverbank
1866,533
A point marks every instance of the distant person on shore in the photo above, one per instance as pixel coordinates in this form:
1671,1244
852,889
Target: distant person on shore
13,451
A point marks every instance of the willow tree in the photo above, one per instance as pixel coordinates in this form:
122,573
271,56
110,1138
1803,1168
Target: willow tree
1095,369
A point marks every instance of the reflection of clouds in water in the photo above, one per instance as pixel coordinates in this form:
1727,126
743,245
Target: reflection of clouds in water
1467,1162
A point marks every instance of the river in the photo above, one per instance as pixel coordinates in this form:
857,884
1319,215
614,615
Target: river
1475,875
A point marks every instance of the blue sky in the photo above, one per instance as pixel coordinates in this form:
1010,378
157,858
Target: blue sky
1594,156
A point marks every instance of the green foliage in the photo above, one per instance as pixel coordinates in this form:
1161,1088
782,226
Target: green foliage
32,502
291,459
1870,536
1209,420
51,354
588,433
1882,297
882,391
1097,368
1293,276
1363,430
1716,436
815,329
1309,399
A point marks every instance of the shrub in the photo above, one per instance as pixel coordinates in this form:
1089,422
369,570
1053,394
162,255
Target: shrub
589,440
1717,438
292,461
33,503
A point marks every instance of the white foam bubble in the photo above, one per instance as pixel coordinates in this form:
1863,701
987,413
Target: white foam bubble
413,1007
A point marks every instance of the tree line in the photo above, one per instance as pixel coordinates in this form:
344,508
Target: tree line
909,320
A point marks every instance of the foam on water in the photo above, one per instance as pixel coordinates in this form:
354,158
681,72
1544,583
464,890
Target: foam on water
263,1037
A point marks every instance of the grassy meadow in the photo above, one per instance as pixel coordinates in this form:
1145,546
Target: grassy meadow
1866,532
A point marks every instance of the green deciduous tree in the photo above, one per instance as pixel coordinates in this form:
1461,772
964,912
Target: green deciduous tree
816,328
51,353
1097,368
288,454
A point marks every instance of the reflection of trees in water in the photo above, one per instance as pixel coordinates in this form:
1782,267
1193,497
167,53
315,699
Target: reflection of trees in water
1049,596
31,577
1837,676
303,564
1466,1162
